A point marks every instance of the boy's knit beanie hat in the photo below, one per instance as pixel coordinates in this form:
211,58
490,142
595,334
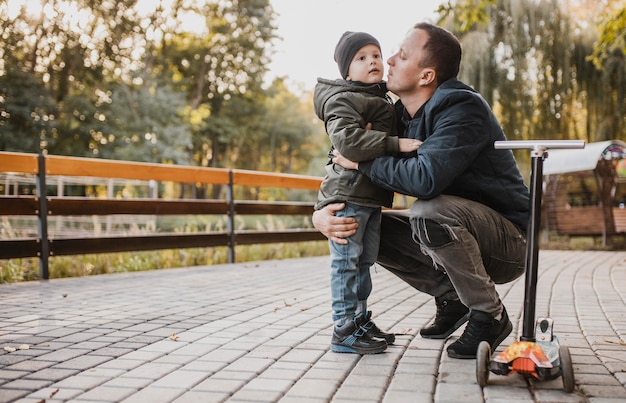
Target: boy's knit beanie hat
349,44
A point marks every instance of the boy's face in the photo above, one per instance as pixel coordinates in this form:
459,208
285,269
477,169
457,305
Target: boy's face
367,65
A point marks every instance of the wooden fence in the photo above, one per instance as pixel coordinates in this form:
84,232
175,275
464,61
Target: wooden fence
44,206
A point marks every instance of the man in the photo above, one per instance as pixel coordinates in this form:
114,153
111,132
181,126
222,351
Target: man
466,231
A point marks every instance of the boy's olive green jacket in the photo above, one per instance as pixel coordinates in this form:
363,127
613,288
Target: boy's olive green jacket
346,107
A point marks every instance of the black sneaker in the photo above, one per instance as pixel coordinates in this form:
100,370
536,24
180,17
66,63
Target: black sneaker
481,327
352,338
450,316
374,331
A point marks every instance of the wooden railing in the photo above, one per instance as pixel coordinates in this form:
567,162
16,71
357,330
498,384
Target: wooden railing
43,206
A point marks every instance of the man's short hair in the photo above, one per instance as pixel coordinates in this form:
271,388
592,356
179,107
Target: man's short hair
443,51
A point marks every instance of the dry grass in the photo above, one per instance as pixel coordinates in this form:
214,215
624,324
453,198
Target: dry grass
27,269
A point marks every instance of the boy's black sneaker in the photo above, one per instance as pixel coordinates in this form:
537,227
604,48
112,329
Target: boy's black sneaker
374,331
450,316
352,338
481,327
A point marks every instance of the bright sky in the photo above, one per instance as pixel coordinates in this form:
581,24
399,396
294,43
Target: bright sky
311,29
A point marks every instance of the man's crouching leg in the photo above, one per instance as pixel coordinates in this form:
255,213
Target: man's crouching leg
447,228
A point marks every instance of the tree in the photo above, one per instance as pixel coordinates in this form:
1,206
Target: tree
137,123
226,61
530,59
289,131
139,81
67,49
27,113
612,38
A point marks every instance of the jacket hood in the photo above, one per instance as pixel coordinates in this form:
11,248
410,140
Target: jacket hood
325,89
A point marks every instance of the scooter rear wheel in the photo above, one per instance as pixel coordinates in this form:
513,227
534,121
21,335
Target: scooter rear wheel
567,369
483,357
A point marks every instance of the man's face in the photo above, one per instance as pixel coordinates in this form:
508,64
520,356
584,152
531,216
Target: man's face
404,66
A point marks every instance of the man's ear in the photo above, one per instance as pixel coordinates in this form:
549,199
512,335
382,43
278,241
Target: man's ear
428,76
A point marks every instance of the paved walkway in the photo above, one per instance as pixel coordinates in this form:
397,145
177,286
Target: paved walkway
259,332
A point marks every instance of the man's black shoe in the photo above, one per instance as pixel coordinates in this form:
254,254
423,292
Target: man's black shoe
450,316
374,331
352,338
481,327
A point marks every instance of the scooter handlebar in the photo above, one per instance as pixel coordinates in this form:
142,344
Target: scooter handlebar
539,144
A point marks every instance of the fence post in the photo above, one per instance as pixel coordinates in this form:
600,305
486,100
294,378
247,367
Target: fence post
42,219
230,199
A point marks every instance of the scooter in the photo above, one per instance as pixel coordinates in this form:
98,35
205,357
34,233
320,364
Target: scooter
538,353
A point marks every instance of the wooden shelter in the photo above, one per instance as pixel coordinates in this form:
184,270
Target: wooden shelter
584,190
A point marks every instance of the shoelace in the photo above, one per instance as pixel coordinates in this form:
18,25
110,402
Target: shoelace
474,333
440,308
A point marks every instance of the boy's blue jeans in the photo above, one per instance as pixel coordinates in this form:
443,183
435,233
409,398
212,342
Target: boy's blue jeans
350,282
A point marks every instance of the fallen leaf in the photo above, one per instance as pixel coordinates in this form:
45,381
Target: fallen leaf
286,304
621,343
23,347
54,393
174,337
9,349
304,309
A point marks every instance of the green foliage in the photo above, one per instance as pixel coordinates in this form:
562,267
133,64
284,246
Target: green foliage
16,270
27,113
612,40
112,80
109,80
530,59
466,15
117,81
141,123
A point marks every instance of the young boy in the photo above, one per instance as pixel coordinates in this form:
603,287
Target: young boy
359,119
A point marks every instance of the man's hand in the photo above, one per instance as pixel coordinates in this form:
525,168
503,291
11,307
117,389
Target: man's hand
343,161
337,229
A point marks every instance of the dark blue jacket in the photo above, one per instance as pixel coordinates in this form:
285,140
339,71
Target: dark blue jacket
457,157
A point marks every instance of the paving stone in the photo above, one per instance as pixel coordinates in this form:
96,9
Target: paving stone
312,388
54,374
83,362
152,371
217,385
181,379
53,394
195,396
10,395
260,333
27,384
80,381
106,394
13,373
453,392
154,394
